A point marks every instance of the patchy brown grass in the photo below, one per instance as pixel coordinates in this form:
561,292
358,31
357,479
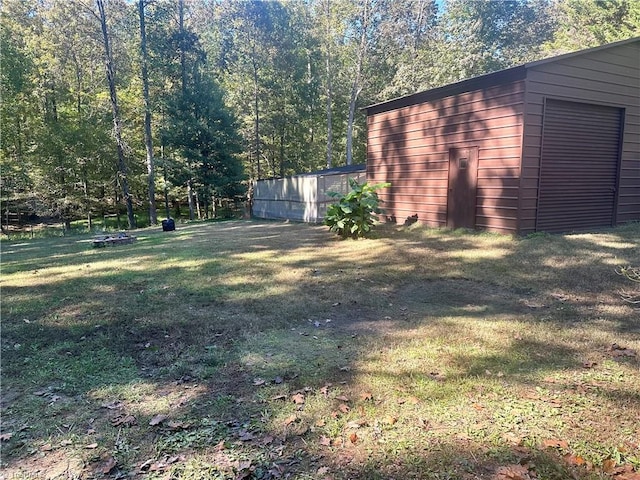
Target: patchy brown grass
269,350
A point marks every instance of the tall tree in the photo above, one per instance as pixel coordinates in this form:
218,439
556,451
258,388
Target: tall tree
364,22
404,56
60,127
16,108
328,40
148,140
198,128
481,37
117,128
589,23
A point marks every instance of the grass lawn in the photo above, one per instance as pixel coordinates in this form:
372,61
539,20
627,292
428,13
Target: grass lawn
263,350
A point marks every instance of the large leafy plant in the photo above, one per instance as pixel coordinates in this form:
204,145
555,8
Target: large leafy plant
354,213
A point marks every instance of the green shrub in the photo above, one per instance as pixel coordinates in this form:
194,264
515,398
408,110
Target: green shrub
354,213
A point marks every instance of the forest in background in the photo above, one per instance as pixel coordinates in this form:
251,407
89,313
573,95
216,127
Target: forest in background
115,106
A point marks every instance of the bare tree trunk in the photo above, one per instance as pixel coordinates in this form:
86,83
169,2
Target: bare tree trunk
85,176
422,15
312,101
329,87
190,198
356,86
148,141
166,185
183,75
197,198
282,133
183,58
122,166
256,121
87,201
355,91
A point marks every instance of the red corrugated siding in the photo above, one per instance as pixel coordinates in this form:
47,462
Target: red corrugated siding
409,143
409,147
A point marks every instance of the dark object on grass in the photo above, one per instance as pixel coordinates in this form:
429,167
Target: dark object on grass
119,239
168,225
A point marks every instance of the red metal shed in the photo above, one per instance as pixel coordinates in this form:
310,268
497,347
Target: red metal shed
549,146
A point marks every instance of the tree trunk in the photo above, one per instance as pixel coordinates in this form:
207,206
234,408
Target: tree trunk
87,202
183,76
205,206
355,91
183,58
190,199
311,101
148,141
122,166
329,88
197,198
282,131
166,185
256,120
356,87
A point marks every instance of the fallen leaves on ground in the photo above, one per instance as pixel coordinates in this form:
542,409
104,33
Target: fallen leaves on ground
108,465
625,472
514,472
290,419
5,437
160,465
124,420
554,443
298,398
619,351
575,460
355,424
178,425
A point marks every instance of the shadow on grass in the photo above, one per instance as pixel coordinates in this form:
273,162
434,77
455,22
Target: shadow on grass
222,308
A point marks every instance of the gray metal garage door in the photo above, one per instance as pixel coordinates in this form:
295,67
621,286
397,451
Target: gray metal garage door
579,166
